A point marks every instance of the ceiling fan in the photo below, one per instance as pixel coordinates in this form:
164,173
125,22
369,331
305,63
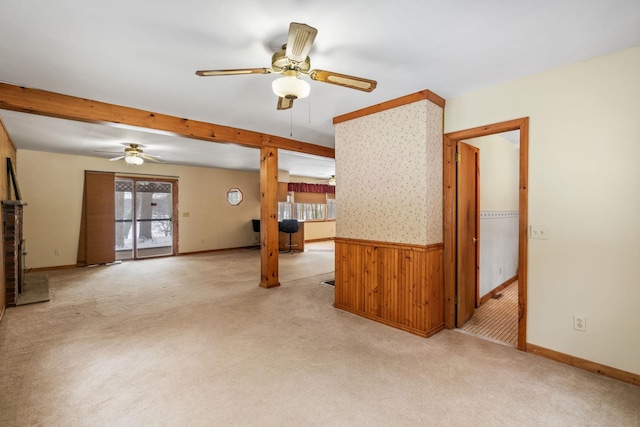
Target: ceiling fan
134,155
330,181
291,61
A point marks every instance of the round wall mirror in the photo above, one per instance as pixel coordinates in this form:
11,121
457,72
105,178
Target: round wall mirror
234,197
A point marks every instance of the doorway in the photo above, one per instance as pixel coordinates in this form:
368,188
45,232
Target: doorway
144,218
453,298
495,313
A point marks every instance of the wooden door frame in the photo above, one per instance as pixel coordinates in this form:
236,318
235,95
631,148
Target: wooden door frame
449,203
175,227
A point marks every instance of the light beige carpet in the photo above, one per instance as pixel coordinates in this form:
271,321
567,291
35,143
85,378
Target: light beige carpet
194,341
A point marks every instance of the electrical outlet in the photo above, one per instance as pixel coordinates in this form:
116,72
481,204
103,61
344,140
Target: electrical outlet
57,252
579,323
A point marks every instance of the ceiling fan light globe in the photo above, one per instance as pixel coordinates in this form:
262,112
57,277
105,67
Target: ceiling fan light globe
291,87
134,160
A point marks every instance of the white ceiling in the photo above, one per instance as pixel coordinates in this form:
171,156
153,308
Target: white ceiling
144,53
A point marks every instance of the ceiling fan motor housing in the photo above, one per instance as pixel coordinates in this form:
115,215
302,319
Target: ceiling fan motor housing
133,150
280,63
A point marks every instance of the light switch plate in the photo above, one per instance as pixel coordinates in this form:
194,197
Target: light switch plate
539,232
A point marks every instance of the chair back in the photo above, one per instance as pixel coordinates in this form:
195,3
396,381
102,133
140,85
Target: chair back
289,226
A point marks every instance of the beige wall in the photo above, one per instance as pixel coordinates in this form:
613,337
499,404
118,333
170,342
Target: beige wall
319,230
52,185
389,174
583,178
499,173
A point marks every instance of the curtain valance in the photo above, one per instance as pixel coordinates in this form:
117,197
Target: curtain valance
302,187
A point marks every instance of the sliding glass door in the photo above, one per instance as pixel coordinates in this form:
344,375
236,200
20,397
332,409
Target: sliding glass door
124,215
144,218
154,222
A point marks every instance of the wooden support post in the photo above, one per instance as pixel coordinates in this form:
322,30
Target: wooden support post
269,217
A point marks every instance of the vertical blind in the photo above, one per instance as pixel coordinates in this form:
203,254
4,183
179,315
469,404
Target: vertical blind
97,231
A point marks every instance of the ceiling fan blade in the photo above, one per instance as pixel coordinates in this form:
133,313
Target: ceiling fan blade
116,158
151,158
140,152
352,82
299,43
206,73
107,152
285,103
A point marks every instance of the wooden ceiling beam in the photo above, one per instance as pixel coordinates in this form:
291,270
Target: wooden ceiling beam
51,104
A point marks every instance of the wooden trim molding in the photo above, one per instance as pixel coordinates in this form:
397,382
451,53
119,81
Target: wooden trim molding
51,104
499,288
607,371
492,129
211,251
394,103
321,239
55,267
435,246
208,251
403,327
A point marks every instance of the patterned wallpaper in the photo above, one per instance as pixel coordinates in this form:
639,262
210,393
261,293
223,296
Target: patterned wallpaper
389,173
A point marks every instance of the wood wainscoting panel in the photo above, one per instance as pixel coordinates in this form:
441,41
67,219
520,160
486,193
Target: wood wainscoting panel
397,284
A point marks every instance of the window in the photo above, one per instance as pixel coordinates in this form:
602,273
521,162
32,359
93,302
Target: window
302,211
309,211
284,211
305,206
234,196
331,209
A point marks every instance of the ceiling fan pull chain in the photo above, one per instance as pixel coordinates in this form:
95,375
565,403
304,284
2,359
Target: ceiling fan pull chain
291,122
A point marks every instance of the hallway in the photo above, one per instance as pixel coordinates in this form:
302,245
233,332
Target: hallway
497,319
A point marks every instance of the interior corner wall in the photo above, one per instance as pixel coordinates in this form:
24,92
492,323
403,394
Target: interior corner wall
499,173
583,174
52,185
389,173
